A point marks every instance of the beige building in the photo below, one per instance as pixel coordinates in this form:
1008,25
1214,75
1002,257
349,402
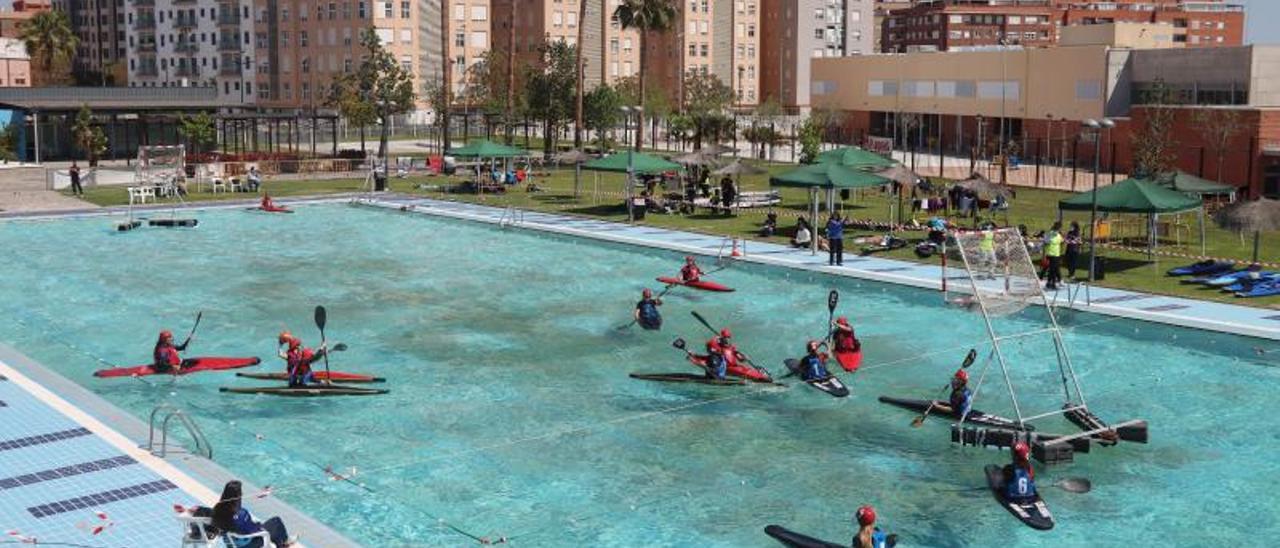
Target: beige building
801,31
15,64
609,52
706,39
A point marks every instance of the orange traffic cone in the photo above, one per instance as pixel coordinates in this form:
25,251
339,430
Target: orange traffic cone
735,252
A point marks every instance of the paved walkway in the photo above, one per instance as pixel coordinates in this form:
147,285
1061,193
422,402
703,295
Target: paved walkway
1221,317
15,201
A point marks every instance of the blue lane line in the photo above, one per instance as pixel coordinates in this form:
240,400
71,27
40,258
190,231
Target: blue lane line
66,471
43,438
101,498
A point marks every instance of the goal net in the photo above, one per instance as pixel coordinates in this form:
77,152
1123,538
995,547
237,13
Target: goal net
160,164
1002,279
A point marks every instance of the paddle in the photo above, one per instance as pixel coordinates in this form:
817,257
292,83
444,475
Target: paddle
679,343
741,356
833,299
968,360
199,316
322,318
659,297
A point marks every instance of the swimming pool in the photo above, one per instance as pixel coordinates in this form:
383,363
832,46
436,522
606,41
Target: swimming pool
511,413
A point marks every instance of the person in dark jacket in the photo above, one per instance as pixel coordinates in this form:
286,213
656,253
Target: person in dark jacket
231,516
835,240
1073,249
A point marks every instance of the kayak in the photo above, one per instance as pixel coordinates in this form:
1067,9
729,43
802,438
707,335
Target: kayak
1034,514
793,539
173,223
734,369
975,416
276,209
831,385
849,360
1261,290
687,378
1245,285
336,376
1239,277
192,365
305,391
698,284
1200,268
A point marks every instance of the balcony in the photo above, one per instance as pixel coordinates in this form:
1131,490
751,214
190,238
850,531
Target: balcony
186,72
229,19
144,3
229,69
148,72
186,47
185,22
231,45
148,47
144,23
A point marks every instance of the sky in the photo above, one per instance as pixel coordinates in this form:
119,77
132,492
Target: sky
1262,21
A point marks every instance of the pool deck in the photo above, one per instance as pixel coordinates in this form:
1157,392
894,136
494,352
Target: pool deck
1211,316
67,455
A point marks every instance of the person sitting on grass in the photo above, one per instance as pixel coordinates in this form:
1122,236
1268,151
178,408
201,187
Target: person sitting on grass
803,237
770,225
230,515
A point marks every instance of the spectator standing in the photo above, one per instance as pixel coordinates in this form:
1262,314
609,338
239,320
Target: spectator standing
76,189
835,240
1073,249
1053,243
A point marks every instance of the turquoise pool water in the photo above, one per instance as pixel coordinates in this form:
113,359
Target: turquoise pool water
511,413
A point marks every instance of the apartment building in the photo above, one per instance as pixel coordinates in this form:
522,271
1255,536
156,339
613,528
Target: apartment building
609,52
803,30
100,26
946,24
12,18
187,43
705,38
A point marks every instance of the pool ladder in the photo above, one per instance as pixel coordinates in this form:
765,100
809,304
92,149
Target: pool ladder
166,412
511,216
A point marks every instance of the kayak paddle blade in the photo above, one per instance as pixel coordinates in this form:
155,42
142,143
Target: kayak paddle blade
1074,485
968,358
832,300
340,347
321,317
678,343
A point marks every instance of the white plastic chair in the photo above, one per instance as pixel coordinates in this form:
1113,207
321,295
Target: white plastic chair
218,184
198,532
140,194
235,185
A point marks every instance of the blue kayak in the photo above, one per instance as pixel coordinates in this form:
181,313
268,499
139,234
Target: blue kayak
1246,284
1205,279
1234,277
1201,268
1265,289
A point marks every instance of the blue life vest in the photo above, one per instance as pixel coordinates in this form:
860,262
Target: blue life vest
649,316
878,540
961,403
813,369
1020,486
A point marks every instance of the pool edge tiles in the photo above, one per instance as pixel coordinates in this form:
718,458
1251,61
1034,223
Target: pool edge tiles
187,476
1175,311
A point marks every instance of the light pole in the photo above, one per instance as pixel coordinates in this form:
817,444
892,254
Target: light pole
626,112
1095,127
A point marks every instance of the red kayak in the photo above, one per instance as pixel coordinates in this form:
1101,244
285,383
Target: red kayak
192,365
734,368
272,209
849,359
699,284
337,376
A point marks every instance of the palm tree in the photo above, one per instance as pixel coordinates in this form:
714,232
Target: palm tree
49,39
577,119
645,16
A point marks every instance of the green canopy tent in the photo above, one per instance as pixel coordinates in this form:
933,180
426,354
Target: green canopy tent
1187,183
854,157
1138,196
483,149
631,163
828,176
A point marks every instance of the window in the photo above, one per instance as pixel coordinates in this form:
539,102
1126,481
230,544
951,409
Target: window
406,36
302,39
460,40
303,12
995,90
956,19
613,69
572,19
404,10
479,39
386,10
626,44
613,45
360,9
1088,90
817,53
557,18
459,12
627,68
284,14
346,37
480,13
819,34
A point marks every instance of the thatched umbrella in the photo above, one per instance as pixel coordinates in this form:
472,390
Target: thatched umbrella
1251,216
695,158
717,150
902,175
982,185
576,157
738,168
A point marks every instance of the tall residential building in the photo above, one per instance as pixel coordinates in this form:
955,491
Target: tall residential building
705,38
609,52
100,26
945,24
184,43
882,10
803,30
22,10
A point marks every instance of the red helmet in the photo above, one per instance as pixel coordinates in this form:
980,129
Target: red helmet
843,321
725,333
647,293
294,342
166,335
962,375
865,515
1020,451
284,337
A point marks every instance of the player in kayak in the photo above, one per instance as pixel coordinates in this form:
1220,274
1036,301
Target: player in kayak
165,357
1019,476
869,536
646,313
267,204
843,336
813,366
300,360
690,272
961,399
720,350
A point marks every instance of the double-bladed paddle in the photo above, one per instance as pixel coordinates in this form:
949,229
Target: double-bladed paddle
968,360
322,318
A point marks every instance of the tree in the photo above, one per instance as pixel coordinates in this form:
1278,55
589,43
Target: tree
549,90
9,142
601,112
811,132
386,86
579,74
49,40
1218,127
88,137
487,79
345,97
1154,145
198,130
446,76
646,16
707,100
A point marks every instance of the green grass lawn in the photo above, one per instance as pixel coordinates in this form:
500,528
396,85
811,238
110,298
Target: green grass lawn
1033,207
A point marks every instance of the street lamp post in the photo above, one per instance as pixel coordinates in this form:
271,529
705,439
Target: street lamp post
626,112
1095,127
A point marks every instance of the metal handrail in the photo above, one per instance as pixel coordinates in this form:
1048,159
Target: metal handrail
170,411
